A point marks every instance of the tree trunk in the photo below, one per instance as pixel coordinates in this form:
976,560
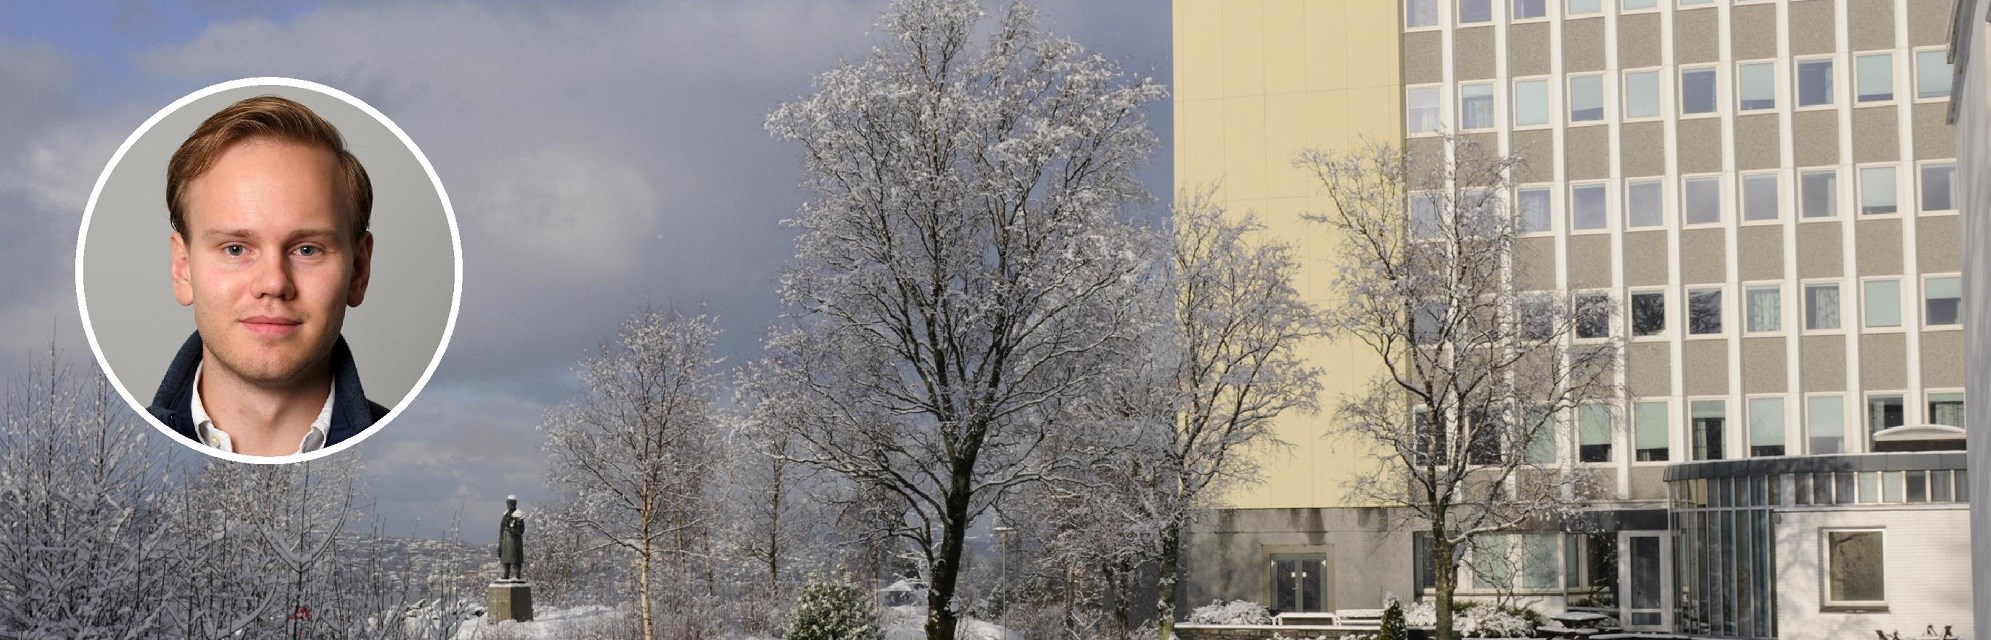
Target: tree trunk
643,588
1168,573
1446,570
941,619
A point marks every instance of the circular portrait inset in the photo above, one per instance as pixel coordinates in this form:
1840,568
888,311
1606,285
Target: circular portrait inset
268,270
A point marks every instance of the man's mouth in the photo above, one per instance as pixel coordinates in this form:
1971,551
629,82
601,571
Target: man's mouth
275,326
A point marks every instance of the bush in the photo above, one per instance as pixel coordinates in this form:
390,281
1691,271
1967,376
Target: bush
1236,612
832,607
1393,626
1474,619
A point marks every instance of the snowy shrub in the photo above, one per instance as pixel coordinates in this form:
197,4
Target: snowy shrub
1236,612
1471,619
1392,627
833,608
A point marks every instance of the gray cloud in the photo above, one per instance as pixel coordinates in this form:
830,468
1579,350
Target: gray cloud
599,160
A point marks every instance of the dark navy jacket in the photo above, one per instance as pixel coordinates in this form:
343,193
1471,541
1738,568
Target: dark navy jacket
351,411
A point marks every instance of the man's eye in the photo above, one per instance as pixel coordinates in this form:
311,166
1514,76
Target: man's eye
234,250
309,251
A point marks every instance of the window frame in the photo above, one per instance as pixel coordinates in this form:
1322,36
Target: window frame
1837,203
1549,213
1804,305
1665,423
1921,184
1783,316
1860,189
1915,60
1610,434
1437,16
1569,100
1576,310
1826,602
1492,13
1569,12
1720,200
1680,93
1866,413
1740,108
1687,311
1437,105
1569,209
1548,103
1492,102
1900,308
1743,180
1691,430
1805,425
1657,185
1665,319
1893,87
1928,398
1514,17
1658,94
1748,431
1797,82
1922,291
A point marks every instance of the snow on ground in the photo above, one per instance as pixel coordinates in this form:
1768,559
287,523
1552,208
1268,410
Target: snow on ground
554,624
909,623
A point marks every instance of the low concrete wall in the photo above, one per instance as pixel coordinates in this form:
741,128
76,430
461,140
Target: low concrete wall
1227,554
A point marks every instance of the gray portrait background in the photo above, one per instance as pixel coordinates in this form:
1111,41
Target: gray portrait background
127,256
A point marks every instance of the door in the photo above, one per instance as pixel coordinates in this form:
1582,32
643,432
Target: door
1299,582
1643,579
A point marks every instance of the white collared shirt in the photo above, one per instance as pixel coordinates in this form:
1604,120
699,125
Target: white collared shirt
213,436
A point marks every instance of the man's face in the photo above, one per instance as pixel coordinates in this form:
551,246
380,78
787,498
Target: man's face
268,261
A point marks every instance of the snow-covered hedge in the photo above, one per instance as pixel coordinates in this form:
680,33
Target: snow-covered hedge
1235,612
1471,619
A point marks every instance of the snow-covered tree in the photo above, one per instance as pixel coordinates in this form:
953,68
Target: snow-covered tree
636,447
962,267
832,607
1476,371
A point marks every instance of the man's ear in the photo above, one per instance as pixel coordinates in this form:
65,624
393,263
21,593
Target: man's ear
183,282
362,269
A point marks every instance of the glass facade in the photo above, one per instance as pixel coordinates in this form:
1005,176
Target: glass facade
1724,554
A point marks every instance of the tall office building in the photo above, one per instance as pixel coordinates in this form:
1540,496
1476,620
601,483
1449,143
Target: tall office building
1764,193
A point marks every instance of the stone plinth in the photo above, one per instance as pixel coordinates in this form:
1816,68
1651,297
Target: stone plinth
510,600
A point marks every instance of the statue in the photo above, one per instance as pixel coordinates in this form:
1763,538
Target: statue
511,541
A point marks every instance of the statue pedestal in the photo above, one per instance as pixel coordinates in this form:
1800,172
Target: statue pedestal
509,600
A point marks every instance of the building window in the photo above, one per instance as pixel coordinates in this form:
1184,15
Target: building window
1697,91
1299,582
1531,102
1484,432
1933,74
1476,106
1539,563
1424,215
1492,567
1825,424
1586,98
1525,9
1702,199
1818,193
1422,104
1641,94
1428,327
1634,5
1534,205
1885,411
1939,186
1703,311
1877,190
1420,13
1765,308
1942,301
1873,77
1593,315
1881,303
1766,427
1708,417
1648,311
1855,568
1644,204
1585,7
1814,82
1593,432
1535,436
1537,316
1475,11
1759,196
1587,207
1946,408
1821,306
1756,84
1650,431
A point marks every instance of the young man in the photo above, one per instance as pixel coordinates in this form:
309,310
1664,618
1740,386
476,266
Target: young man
270,245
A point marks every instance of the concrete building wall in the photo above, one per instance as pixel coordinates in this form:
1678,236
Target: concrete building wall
1921,576
1972,106
1230,553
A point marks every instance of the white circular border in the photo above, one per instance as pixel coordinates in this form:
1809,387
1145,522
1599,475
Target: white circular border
455,241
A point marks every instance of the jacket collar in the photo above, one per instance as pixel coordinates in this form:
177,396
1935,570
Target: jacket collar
351,411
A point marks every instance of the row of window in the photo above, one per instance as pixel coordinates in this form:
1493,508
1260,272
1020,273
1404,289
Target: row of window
1420,14
1703,199
1823,425
1763,308
1639,92
1914,486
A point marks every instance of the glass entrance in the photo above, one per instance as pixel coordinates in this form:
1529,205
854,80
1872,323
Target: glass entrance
1299,582
1647,586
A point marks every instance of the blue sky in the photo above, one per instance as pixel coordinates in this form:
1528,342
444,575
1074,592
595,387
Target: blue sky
599,159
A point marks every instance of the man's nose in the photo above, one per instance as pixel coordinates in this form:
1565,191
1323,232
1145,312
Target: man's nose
273,278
